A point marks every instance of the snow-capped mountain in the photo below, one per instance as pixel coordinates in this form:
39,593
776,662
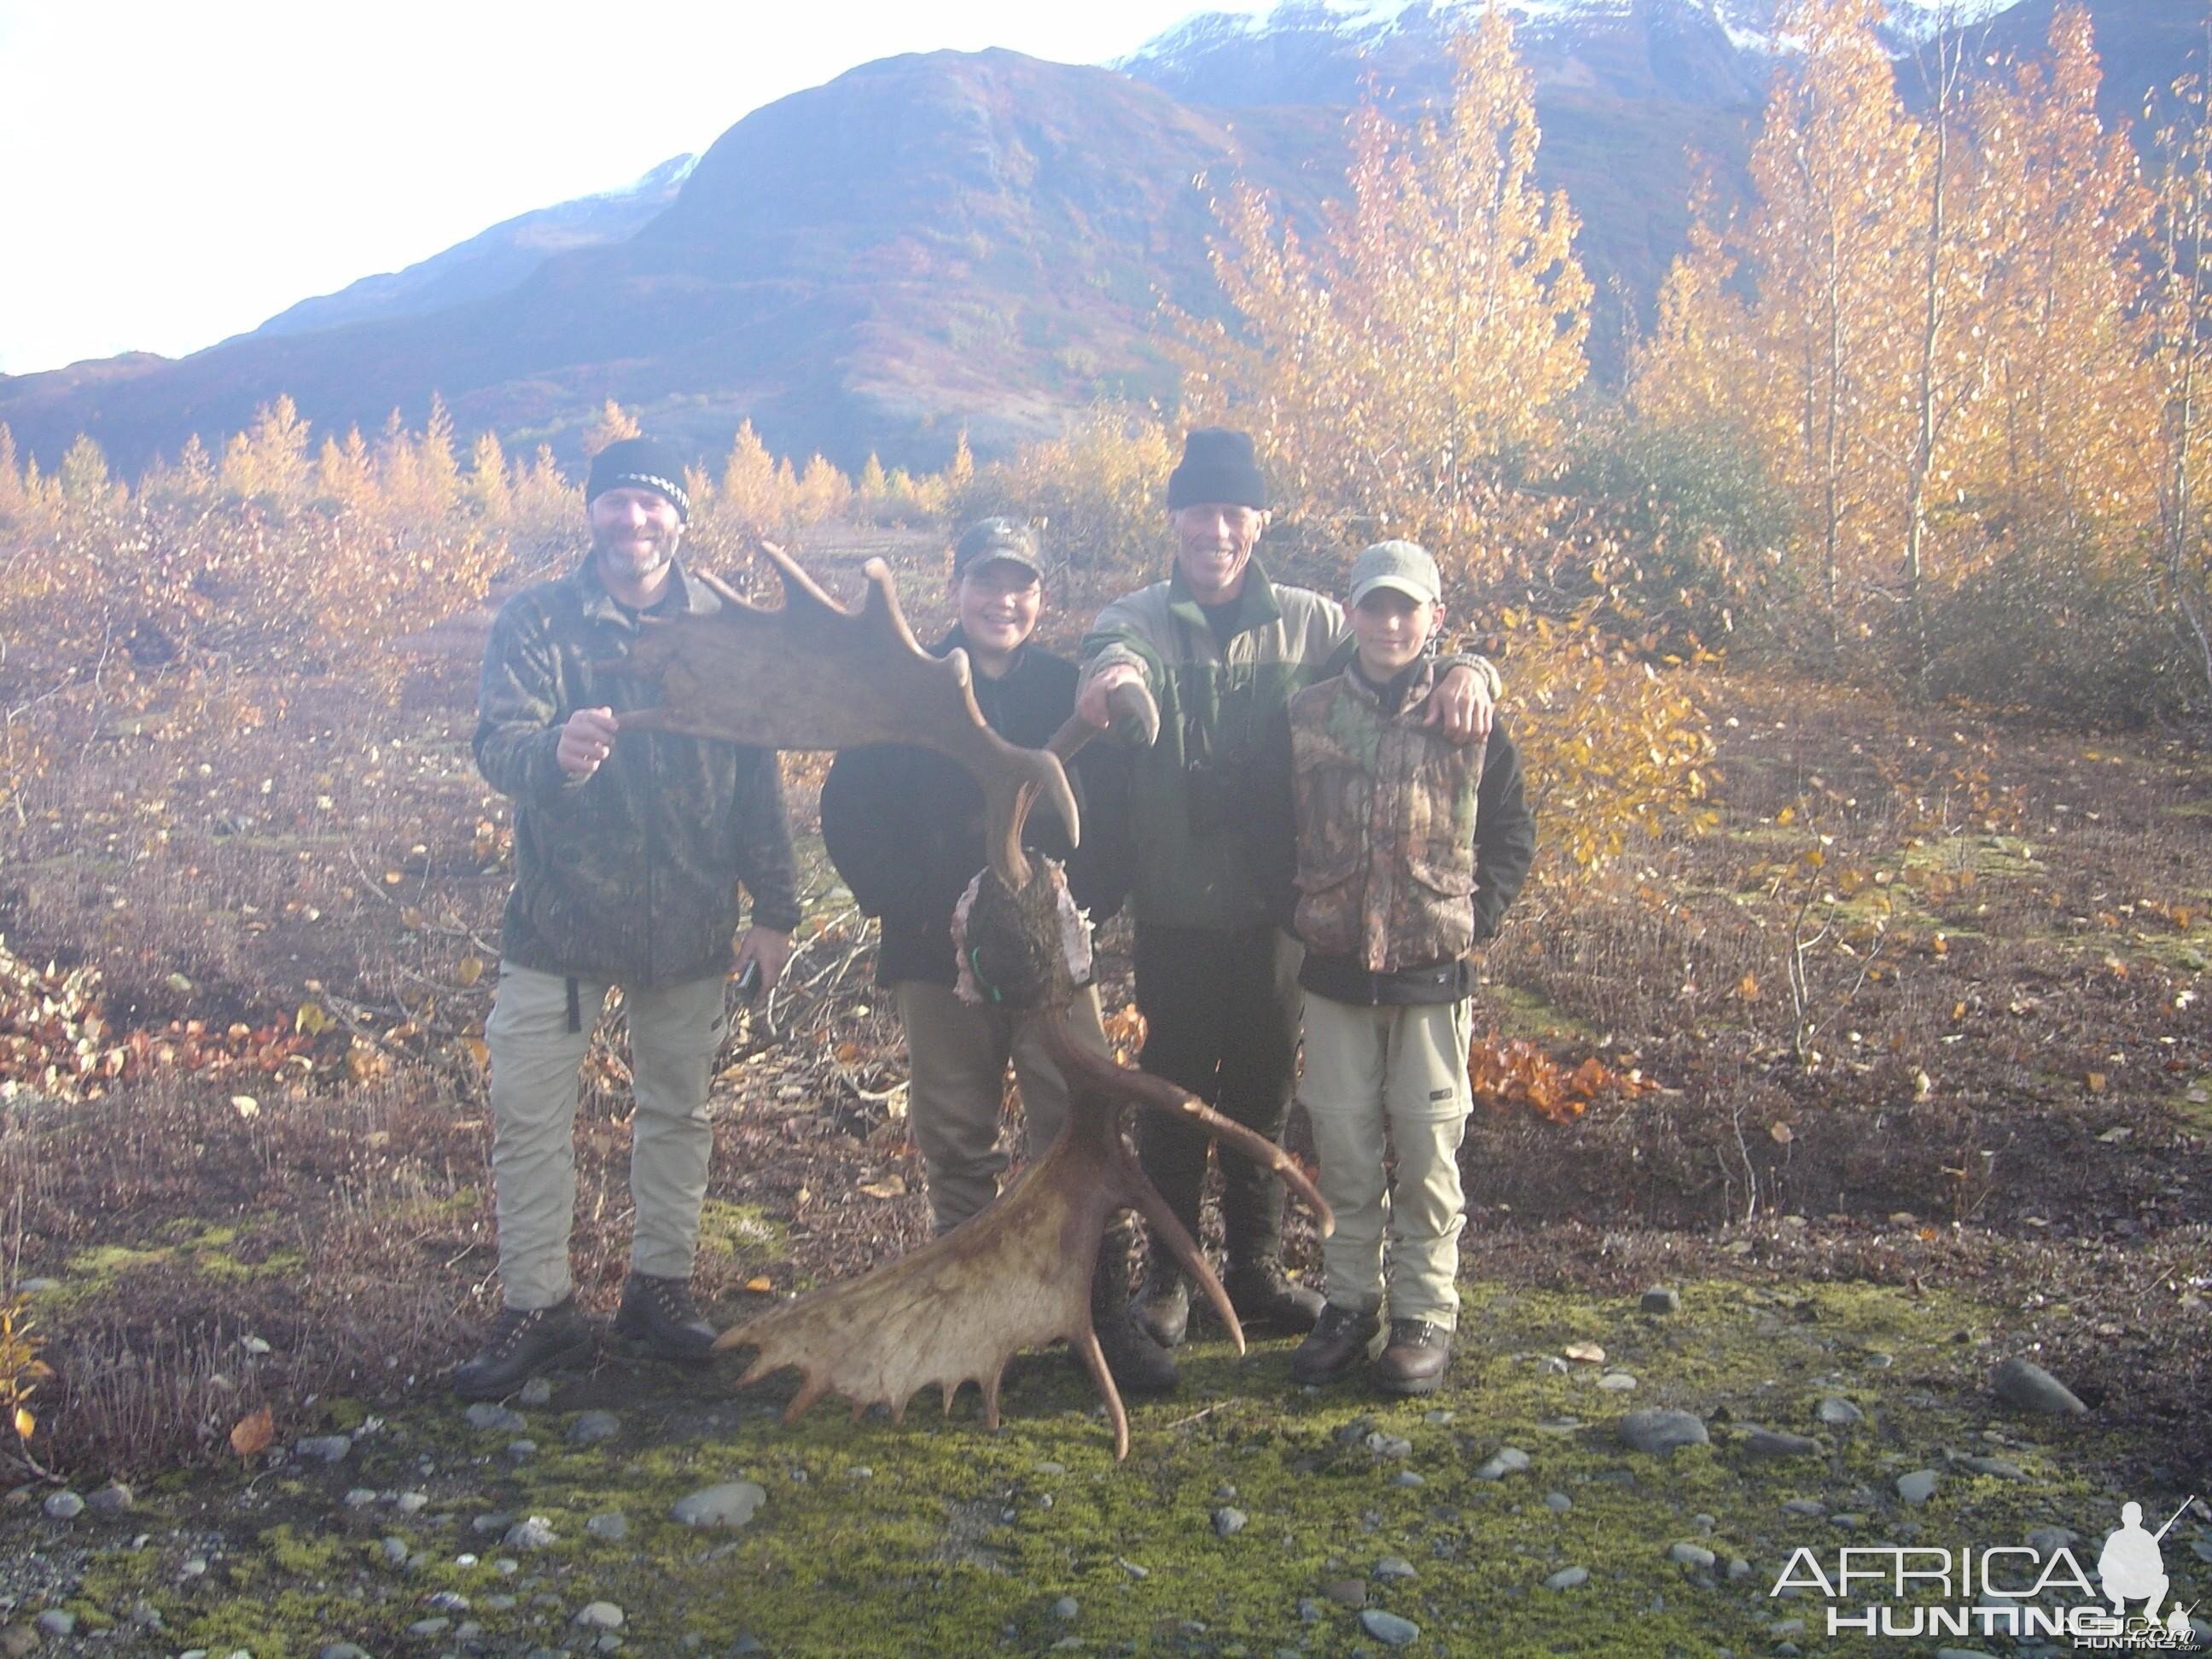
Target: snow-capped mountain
1698,51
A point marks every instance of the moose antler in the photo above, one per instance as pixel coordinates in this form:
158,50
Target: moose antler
1014,1276
813,675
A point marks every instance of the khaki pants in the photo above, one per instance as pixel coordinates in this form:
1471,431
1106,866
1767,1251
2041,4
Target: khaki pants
1402,1071
675,1031
958,1056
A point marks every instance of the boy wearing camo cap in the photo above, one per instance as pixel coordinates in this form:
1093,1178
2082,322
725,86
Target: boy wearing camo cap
1392,853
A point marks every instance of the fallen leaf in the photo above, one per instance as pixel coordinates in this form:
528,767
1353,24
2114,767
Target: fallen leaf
2095,1081
250,1435
1748,988
1781,1133
245,1105
469,971
759,1285
1587,1353
26,1425
2116,1134
889,1187
1923,1086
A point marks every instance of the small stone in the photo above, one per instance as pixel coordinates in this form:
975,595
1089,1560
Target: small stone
1408,1478
1508,1460
1617,1383
1225,1494
360,1497
1557,1502
1661,1299
412,1502
521,1451
1310,1611
323,1448
1049,1467
2048,1540
1065,1609
1839,1413
1386,1445
1662,1432
1738,1568
1776,1443
449,1601
1394,1567
536,1392
608,1527
1346,1592
1228,1523
591,1427
1783,1628
1389,1628
429,1626
2002,1467
17,1641
1811,1509
489,1414
1552,1365
193,1566
496,1521
1917,1487
57,1621
535,1534
600,1615
2023,1384
1847,1522
730,1503
1696,1556
113,1499
1567,1578
1442,1415
63,1505
395,1552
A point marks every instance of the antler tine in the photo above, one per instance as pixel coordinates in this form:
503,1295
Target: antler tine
1094,1361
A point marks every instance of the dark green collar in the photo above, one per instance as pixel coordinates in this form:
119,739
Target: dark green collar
1257,607
603,606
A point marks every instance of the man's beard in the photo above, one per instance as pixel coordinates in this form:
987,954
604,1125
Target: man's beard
659,553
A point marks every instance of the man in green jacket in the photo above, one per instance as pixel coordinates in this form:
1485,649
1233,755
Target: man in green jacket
628,851
1221,650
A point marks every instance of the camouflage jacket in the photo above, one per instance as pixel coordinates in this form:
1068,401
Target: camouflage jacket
1190,794
1398,849
631,874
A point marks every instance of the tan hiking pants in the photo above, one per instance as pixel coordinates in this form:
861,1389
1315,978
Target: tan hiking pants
1380,1081
675,1031
958,1057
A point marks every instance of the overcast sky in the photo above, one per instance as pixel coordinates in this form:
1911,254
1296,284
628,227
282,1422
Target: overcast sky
182,172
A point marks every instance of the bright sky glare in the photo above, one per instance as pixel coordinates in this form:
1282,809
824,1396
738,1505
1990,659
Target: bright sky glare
182,172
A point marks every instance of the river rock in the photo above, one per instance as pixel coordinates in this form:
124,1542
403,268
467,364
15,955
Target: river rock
1508,1460
1389,1628
58,1622
2026,1384
63,1505
1917,1487
1661,1433
490,1414
1392,1568
1228,1523
538,1391
1567,1578
608,1527
600,1615
1777,1443
730,1503
1696,1556
1661,1299
591,1427
1839,1413
534,1534
113,1499
322,1448
1346,1592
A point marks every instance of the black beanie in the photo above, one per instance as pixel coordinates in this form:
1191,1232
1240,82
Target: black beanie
1217,465
641,464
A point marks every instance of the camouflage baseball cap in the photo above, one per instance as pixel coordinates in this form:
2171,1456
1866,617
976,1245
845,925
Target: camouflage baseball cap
1404,566
990,540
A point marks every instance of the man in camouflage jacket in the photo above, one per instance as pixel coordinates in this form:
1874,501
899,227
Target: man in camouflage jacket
628,850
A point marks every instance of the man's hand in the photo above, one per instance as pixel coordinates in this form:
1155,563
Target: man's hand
585,740
1461,704
767,947
1092,702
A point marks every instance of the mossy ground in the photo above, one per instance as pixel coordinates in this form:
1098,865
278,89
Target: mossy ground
941,1537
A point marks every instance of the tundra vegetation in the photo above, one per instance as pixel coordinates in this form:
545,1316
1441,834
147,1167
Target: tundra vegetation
1860,646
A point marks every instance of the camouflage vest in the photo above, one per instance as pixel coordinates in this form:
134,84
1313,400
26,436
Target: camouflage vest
1386,828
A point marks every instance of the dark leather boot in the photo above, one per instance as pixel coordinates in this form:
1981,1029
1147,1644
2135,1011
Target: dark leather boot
658,1316
1336,1344
1139,1365
1415,1359
1263,1294
522,1342
1165,1308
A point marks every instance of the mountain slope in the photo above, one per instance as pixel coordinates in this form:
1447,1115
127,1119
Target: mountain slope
492,261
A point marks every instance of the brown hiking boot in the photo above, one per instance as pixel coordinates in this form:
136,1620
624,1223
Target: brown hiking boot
1415,1359
522,1342
1336,1344
658,1316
